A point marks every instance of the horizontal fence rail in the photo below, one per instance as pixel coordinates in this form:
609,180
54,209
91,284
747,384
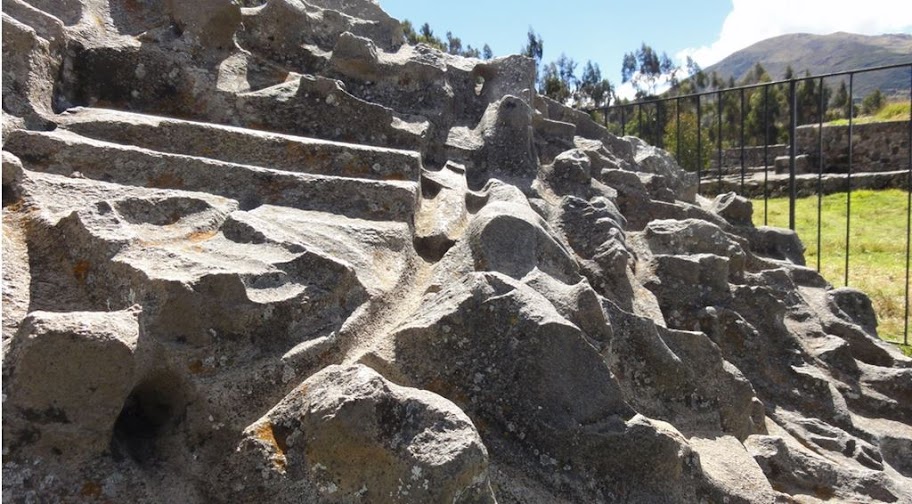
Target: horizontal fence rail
750,118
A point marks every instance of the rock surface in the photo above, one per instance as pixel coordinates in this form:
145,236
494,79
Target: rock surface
264,251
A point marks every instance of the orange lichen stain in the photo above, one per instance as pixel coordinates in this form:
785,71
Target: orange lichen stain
132,6
276,187
480,424
15,206
443,388
196,367
265,434
201,236
81,270
151,243
306,155
168,180
824,493
395,176
174,218
90,489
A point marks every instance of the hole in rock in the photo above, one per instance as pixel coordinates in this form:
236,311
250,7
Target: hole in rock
479,85
153,409
430,188
432,248
10,195
160,211
482,74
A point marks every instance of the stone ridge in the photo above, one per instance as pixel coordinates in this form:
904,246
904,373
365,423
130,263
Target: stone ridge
270,253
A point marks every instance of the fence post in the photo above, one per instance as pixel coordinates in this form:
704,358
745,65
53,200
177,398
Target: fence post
699,145
766,141
623,120
849,176
793,141
820,106
678,130
741,141
640,119
908,216
719,141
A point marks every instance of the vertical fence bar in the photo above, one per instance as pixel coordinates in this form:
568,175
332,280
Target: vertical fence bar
849,177
699,145
623,120
678,131
741,141
820,107
639,119
719,140
793,141
908,217
766,99
655,127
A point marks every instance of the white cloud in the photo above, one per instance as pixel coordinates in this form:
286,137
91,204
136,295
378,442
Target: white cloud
626,90
751,21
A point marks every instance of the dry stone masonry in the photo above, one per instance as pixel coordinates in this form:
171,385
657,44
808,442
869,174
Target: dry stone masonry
880,160
270,253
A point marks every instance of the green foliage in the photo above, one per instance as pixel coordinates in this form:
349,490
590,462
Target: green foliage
689,157
872,103
763,122
408,31
486,52
452,44
552,85
809,95
650,121
559,82
839,104
426,36
594,90
906,349
645,69
534,47
877,255
891,111
895,111
789,73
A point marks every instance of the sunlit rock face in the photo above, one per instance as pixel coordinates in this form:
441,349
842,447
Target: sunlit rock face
271,253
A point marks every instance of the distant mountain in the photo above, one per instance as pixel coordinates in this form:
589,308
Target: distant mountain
822,54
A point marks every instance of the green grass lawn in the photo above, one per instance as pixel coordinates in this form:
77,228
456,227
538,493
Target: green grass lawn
893,111
877,243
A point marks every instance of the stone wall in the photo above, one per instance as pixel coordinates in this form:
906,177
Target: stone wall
877,147
753,157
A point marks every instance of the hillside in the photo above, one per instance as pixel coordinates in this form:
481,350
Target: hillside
824,54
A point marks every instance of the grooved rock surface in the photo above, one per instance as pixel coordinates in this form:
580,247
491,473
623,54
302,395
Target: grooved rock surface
265,251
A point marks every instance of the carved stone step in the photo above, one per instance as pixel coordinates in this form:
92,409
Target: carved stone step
245,146
65,153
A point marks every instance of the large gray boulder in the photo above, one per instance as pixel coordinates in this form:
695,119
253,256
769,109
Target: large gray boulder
346,434
72,373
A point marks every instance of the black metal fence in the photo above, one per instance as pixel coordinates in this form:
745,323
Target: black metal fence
693,127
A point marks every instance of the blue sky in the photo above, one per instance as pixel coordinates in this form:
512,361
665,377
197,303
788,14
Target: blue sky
602,31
